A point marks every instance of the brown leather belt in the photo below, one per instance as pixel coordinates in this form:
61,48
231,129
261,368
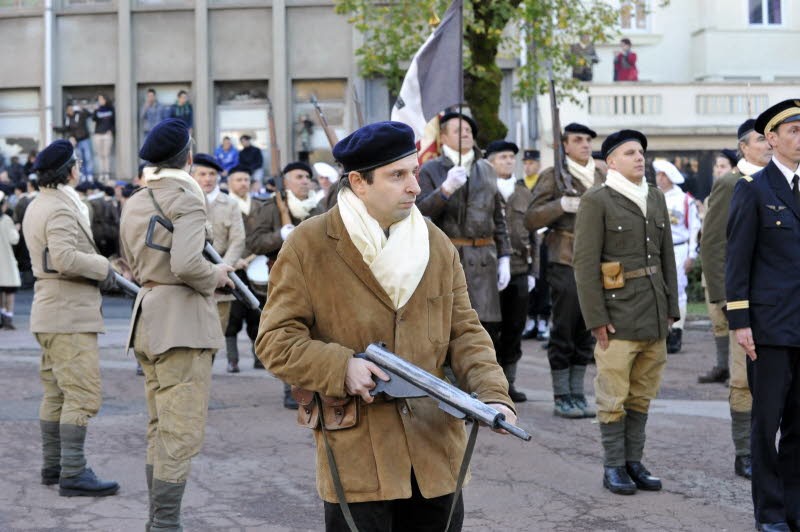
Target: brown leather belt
474,242
152,284
641,272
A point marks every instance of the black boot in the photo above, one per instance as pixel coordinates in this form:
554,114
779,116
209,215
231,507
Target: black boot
516,395
743,466
617,480
51,452
716,374
615,476
511,376
86,485
77,480
288,400
148,476
167,498
257,364
642,477
674,341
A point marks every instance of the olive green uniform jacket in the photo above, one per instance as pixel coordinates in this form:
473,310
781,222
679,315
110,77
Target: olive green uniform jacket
714,240
324,305
611,228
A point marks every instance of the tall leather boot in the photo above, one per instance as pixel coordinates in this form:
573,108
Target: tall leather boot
51,452
511,375
232,350
720,372
563,406
288,400
77,480
615,475
740,431
167,497
635,423
148,475
577,376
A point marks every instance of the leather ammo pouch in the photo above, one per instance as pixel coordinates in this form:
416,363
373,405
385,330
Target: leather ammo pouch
613,275
337,413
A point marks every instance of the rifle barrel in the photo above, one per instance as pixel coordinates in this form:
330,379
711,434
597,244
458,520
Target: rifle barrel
247,295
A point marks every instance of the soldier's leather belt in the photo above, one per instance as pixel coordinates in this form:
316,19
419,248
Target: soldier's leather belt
474,242
641,272
152,284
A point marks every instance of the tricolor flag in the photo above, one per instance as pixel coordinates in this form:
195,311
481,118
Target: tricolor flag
435,78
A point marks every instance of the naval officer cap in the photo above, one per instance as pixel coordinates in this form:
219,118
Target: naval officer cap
209,161
579,128
531,155
617,139
57,156
468,119
746,127
780,113
166,140
375,145
496,146
297,165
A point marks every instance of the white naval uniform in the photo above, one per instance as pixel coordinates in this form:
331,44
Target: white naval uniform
684,238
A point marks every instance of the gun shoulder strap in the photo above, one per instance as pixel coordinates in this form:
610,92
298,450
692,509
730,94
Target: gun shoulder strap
156,205
462,473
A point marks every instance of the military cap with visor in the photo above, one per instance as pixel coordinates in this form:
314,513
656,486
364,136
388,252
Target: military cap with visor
780,113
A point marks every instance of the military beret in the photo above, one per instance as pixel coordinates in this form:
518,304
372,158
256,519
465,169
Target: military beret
746,127
56,156
375,145
531,155
496,146
597,155
468,119
83,186
239,168
579,128
209,161
297,165
731,155
616,139
780,113
167,139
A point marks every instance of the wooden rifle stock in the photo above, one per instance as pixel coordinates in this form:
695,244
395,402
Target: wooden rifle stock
329,133
563,179
359,111
275,167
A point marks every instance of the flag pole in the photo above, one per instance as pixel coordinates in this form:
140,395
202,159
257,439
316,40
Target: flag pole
461,78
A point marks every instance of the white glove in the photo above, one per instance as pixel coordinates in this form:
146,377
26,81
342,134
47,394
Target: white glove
503,273
531,283
456,177
570,203
285,230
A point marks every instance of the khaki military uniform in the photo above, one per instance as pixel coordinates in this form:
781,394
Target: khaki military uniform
611,228
175,326
66,313
227,229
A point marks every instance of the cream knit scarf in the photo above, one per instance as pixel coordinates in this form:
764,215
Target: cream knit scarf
397,262
635,193
506,186
748,168
178,175
466,158
301,209
82,208
584,174
244,203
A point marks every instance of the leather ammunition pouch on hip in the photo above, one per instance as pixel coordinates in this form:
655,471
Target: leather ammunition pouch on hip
337,413
473,242
614,274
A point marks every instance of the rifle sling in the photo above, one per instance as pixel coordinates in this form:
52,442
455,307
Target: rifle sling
462,473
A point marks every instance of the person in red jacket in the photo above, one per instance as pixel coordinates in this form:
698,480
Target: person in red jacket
625,63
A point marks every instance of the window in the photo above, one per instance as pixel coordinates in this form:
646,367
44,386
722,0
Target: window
19,5
765,12
633,15
19,123
241,108
310,142
166,96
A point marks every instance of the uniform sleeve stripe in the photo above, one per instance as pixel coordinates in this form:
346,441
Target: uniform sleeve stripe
738,305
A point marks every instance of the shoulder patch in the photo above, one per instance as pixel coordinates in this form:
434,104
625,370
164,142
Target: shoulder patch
747,178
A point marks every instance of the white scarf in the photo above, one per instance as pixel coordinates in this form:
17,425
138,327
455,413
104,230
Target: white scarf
632,191
300,209
83,209
506,186
747,168
584,174
211,196
466,158
244,203
176,174
397,262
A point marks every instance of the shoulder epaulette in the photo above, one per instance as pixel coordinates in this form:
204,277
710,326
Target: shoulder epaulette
747,178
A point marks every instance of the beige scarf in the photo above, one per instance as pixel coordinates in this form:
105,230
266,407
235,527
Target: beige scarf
506,186
178,175
584,174
300,209
635,193
397,262
244,203
82,208
747,168
466,158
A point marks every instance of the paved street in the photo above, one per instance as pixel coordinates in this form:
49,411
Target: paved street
256,469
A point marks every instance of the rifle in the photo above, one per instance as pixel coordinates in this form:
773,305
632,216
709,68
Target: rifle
359,111
563,179
332,139
275,166
129,288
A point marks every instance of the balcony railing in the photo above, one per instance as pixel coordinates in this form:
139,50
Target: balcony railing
20,5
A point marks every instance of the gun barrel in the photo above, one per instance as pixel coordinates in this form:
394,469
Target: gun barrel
245,292
127,286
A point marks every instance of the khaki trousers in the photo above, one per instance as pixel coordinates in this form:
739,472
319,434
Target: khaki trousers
176,388
739,396
719,323
70,375
224,310
628,377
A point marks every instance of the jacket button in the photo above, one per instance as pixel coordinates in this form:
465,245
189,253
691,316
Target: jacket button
619,228
404,410
778,222
648,239
648,256
613,295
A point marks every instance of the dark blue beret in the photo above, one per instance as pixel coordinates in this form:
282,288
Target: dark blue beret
57,155
468,119
209,161
615,140
164,141
496,146
731,155
780,113
746,127
240,168
83,186
579,128
531,155
375,145
597,155
298,165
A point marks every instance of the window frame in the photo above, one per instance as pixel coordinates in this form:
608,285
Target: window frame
765,24
648,20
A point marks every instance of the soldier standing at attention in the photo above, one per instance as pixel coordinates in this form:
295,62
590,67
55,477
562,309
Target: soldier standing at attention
459,194
227,227
625,273
538,323
554,206
175,324
514,299
763,303
65,319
